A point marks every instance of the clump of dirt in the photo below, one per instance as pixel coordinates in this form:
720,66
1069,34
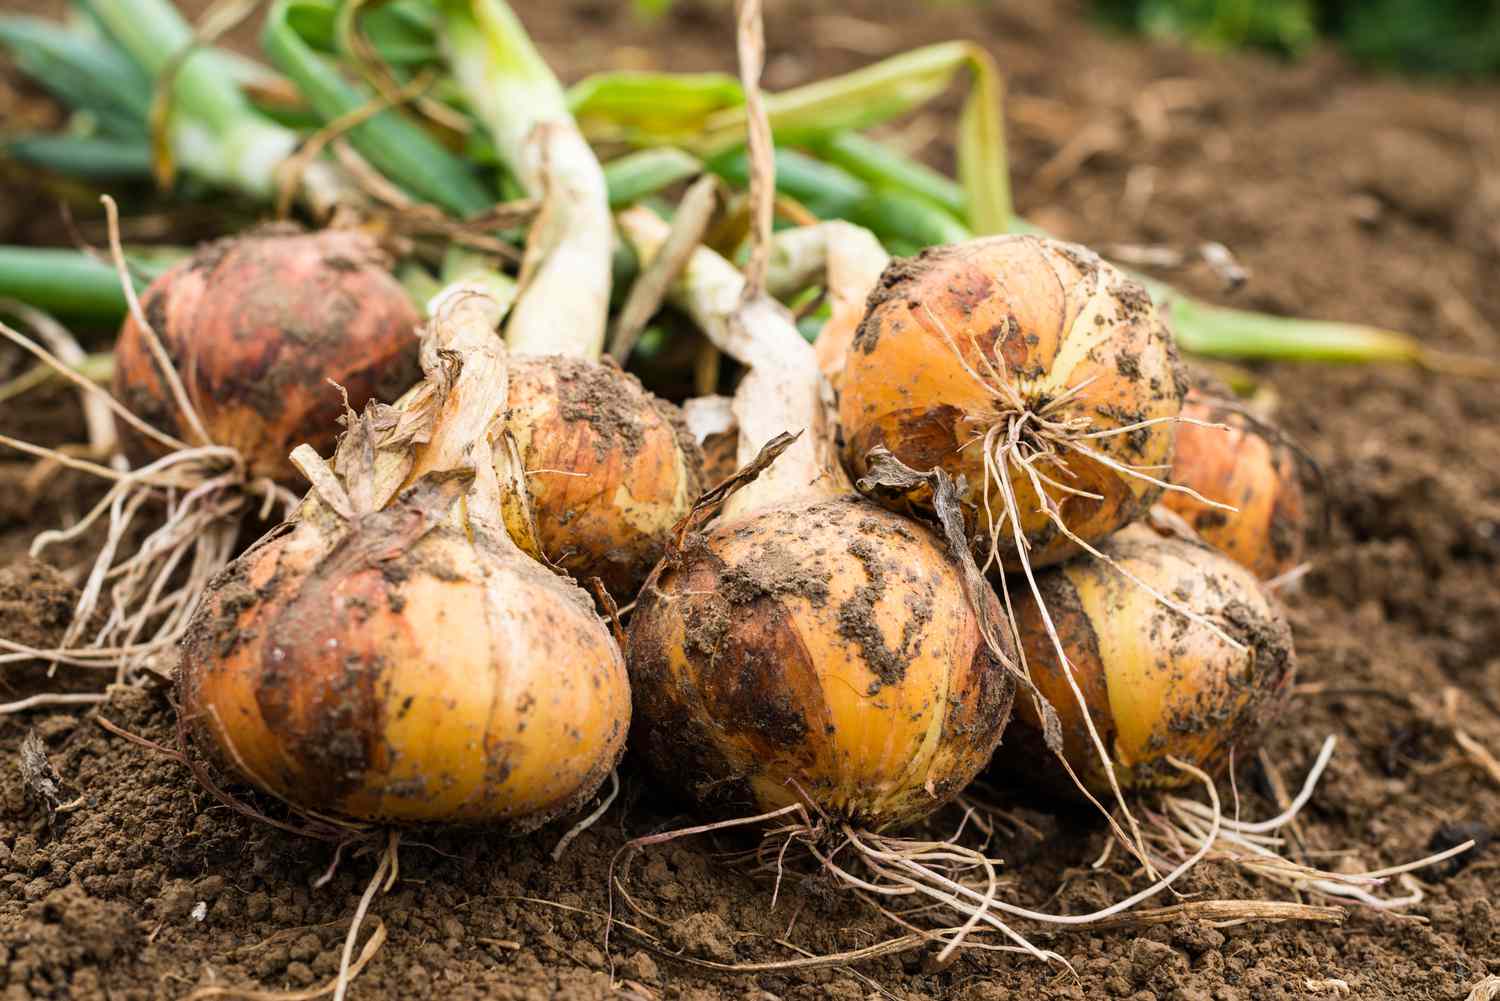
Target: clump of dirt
590,392
1344,196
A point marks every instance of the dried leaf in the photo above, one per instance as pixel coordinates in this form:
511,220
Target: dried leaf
39,775
713,499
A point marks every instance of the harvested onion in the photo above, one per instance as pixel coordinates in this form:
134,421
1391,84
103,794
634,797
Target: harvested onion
393,655
809,647
610,468
256,327
1030,368
1156,683
1248,467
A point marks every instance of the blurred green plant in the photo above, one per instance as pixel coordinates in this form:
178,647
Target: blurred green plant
1444,37
1425,36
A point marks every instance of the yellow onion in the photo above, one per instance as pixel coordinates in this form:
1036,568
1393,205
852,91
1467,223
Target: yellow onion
611,468
809,646
393,655
1157,683
1032,369
1248,467
256,327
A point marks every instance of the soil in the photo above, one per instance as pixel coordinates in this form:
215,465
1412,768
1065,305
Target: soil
1343,195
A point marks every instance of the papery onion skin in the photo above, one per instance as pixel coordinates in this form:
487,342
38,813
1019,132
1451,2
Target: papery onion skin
1047,316
1249,468
379,679
256,327
1156,684
610,468
819,652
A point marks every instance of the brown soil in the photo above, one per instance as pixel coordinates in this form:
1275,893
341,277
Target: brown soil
1345,196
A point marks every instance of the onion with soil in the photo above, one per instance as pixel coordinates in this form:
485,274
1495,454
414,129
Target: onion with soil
610,468
809,647
393,655
1249,466
1032,369
1157,684
256,327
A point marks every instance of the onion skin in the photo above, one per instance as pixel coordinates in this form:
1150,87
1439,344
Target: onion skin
391,679
1248,468
256,326
721,456
610,468
1156,683
1046,316
820,651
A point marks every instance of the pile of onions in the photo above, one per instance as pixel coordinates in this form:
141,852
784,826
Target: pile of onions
808,648
256,327
392,655
1157,683
1249,466
1033,370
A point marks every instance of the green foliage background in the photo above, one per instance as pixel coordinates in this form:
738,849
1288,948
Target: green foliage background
1446,37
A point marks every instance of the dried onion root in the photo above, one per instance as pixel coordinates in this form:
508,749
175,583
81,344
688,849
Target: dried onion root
393,655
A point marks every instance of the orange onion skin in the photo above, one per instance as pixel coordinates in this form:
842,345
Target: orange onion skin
610,468
822,653
1073,338
256,327
1155,683
1249,468
384,680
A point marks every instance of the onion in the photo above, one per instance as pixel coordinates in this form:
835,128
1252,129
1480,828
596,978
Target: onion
1156,683
393,655
1033,370
256,327
1249,467
809,647
610,468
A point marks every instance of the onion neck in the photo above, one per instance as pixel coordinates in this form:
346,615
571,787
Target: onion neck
848,261
214,131
781,392
565,277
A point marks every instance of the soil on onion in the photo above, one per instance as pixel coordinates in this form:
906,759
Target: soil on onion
1344,195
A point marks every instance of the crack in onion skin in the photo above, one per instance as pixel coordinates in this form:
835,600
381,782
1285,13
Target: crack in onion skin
359,672
822,652
1046,316
1249,469
610,468
1156,683
256,326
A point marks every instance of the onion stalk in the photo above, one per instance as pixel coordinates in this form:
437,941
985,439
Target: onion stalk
564,299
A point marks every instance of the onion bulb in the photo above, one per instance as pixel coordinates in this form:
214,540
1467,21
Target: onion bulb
1156,682
256,327
393,656
610,468
1028,367
809,647
1248,467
